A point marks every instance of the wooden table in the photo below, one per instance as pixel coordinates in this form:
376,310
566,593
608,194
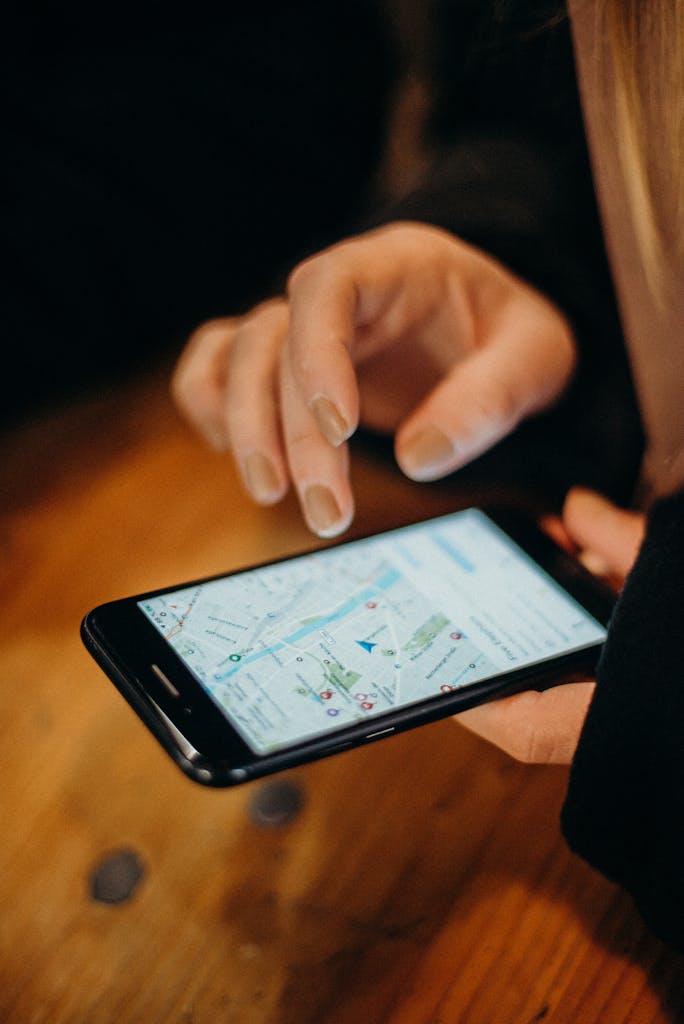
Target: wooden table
424,878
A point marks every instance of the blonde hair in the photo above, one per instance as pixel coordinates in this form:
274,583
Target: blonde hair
649,109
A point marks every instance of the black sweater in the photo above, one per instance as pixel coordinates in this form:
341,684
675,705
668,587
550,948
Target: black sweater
624,810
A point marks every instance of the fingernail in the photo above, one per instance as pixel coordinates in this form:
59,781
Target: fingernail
261,478
322,511
426,454
330,421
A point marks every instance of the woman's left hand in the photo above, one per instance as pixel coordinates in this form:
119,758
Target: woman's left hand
544,728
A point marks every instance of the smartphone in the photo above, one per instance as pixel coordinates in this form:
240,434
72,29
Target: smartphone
255,671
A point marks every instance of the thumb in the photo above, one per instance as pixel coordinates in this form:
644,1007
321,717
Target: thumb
534,727
600,528
522,368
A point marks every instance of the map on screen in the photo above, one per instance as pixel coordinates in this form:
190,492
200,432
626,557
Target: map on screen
295,649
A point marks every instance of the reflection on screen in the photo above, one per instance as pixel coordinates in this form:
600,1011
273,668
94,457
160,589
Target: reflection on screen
294,650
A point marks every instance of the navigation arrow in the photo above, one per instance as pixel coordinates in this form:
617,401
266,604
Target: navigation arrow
366,644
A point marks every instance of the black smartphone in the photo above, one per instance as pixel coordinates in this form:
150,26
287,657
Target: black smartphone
256,671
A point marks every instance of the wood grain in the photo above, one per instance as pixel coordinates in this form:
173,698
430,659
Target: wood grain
425,878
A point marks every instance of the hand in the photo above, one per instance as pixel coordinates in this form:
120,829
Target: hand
405,329
544,728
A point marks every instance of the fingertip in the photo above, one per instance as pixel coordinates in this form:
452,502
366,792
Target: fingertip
332,424
264,483
609,536
586,511
426,454
324,514
581,498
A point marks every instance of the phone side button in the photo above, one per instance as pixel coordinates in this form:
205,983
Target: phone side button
379,733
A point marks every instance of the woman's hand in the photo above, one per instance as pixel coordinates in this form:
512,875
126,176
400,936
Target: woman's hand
405,329
544,728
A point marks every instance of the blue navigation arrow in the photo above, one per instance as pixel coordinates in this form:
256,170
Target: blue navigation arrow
366,644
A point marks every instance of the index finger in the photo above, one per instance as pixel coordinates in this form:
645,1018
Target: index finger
351,301
323,302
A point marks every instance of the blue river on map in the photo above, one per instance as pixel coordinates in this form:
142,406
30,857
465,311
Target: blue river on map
384,582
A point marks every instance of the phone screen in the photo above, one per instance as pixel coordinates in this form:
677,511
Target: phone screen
294,650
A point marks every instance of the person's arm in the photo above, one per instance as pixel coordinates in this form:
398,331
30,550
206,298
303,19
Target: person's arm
624,810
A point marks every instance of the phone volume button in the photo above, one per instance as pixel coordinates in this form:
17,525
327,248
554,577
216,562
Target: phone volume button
379,733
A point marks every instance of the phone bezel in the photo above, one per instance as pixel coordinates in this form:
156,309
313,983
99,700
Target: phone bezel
205,745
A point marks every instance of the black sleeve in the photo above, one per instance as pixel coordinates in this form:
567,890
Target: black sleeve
624,810
511,175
